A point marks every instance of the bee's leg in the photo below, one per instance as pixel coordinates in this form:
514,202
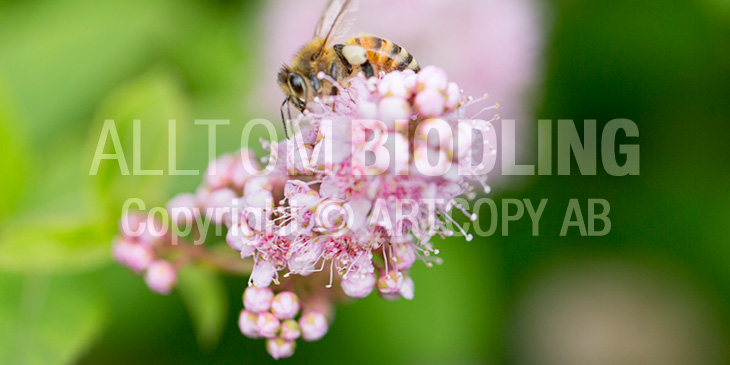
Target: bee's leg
348,66
283,121
367,68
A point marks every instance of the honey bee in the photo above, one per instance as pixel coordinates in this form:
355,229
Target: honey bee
360,53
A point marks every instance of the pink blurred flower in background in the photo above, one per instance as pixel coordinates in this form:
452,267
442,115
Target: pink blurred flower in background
486,45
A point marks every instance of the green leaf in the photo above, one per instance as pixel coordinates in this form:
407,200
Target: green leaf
53,245
205,298
153,99
13,156
47,47
47,320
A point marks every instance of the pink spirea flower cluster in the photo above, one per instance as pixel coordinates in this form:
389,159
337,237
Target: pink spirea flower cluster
327,211
367,178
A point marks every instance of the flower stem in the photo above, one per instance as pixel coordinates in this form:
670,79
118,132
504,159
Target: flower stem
223,262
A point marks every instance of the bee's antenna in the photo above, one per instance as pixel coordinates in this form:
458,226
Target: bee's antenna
283,121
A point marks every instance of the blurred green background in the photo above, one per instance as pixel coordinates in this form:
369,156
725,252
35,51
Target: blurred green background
655,290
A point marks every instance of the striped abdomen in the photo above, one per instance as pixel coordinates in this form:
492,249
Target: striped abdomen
383,55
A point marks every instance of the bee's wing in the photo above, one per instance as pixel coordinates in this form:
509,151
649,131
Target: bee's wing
335,21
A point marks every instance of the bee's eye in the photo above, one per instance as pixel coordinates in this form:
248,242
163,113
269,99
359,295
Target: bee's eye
296,83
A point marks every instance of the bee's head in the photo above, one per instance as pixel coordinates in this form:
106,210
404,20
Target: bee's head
295,86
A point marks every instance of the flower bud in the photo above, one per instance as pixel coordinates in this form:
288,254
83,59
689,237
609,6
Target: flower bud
139,257
248,323
368,110
357,285
240,172
430,102
267,325
202,193
393,84
313,325
261,200
182,208
256,185
285,305
432,78
453,95
154,231
161,277
410,79
219,204
257,300
218,174
280,348
392,108
290,330
120,249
